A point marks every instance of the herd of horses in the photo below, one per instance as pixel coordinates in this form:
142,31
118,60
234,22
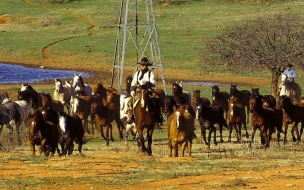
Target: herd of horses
64,118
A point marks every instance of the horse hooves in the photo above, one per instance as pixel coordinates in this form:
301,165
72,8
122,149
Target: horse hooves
112,139
89,132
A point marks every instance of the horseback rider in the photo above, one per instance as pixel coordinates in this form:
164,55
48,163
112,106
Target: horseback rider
291,74
141,77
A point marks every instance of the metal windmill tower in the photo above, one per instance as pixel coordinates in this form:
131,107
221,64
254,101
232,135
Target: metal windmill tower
137,37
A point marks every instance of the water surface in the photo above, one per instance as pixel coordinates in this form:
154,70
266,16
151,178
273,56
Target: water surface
19,74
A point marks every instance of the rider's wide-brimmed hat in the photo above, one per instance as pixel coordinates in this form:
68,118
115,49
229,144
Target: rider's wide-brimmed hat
289,65
145,61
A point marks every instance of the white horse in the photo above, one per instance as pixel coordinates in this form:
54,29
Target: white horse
62,93
79,85
290,89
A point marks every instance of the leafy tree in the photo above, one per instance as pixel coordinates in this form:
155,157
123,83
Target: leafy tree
264,43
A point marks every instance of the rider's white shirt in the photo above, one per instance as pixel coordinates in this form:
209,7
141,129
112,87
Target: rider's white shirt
144,79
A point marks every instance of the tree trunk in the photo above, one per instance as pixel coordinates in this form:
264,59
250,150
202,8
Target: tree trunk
274,81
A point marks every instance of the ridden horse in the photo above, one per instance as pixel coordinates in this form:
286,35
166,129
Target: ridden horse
43,133
272,100
242,96
290,89
9,116
145,117
78,84
71,130
264,119
180,130
295,116
197,99
177,91
208,116
62,93
236,117
220,98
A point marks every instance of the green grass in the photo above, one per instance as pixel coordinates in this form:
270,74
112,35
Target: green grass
182,28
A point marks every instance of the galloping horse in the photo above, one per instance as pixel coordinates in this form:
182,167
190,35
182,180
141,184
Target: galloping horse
145,117
295,116
220,98
43,133
243,97
264,119
272,100
290,89
79,85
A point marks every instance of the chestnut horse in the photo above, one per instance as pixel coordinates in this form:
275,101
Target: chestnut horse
237,118
145,117
180,130
220,98
197,99
243,97
295,116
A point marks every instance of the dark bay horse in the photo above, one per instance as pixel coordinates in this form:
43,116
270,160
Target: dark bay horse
177,91
145,117
43,133
255,92
294,115
243,97
208,116
220,98
169,105
264,119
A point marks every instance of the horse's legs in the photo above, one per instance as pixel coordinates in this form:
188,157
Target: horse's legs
149,147
285,131
93,122
87,126
221,133
293,127
212,129
230,131
189,147
237,128
32,146
297,131
247,108
183,147
120,127
107,134
301,130
111,132
245,127
203,133
252,135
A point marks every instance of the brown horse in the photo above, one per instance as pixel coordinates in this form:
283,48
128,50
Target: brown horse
169,104
264,119
145,117
180,130
270,99
236,117
197,99
43,133
243,97
47,100
177,91
220,98
295,116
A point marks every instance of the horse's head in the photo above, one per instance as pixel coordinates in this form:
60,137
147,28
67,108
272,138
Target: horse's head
169,102
26,86
177,89
58,85
231,106
252,104
99,89
74,103
214,90
196,95
255,92
46,99
284,77
233,90
177,119
198,111
77,81
284,102
144,95
35,123
128,83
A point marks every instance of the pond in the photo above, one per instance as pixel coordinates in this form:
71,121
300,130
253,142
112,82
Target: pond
20,74
204,84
